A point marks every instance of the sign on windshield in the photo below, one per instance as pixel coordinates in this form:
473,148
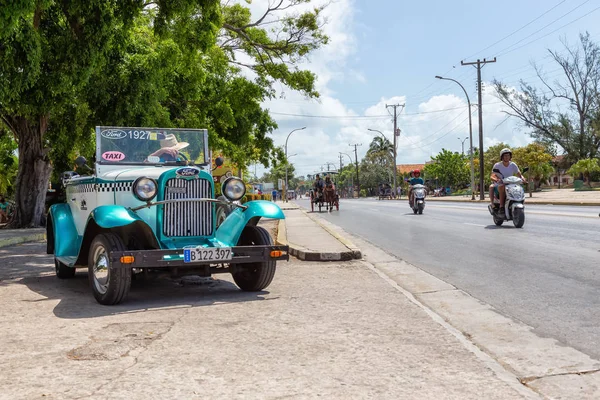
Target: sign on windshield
121,145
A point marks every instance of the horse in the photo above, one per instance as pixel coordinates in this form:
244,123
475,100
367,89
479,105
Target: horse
329,192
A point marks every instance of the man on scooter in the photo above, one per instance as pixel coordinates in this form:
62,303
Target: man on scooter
507,168
415,180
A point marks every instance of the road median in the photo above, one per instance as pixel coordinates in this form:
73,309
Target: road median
310,239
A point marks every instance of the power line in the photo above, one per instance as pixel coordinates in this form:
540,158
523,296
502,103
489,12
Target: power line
518,30
502,52
365,116
550,33
436,132
441,137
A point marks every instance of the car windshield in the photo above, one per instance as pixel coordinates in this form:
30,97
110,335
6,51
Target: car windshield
117,145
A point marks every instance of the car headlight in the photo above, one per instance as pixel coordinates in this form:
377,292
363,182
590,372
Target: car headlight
233,188
144,189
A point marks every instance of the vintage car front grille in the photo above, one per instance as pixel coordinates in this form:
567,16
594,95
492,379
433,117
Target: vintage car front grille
187,218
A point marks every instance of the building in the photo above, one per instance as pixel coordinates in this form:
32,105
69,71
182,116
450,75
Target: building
560,177
406,168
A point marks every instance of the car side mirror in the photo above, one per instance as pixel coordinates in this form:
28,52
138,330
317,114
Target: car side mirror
218,162
80,161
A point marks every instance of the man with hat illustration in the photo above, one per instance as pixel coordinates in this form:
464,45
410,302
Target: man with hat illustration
169,148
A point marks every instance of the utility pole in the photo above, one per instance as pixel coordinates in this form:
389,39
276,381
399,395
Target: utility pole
479,64
341,164
396,134
356,160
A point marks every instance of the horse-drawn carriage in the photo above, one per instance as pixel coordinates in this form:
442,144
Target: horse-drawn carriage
325,196
385,191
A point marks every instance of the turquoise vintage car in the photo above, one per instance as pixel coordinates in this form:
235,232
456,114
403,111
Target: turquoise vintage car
147,205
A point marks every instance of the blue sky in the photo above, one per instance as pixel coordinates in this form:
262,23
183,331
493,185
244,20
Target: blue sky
386,52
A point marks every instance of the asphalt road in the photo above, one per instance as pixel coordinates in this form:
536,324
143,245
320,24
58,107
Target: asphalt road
546,274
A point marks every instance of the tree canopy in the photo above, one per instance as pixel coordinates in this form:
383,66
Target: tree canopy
65,68
567,112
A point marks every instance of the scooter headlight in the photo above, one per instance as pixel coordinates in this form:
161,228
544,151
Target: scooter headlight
233,188
145,189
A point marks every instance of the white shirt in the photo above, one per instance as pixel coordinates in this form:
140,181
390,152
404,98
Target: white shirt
511,170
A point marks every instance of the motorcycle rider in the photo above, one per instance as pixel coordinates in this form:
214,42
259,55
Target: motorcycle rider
507,168
415,180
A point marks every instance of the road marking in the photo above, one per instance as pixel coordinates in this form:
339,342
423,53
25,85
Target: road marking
528,211
468,223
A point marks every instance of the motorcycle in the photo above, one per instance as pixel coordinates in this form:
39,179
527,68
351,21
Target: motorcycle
419,193
514,204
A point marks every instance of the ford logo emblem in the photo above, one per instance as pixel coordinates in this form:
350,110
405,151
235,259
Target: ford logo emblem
113,134
187,171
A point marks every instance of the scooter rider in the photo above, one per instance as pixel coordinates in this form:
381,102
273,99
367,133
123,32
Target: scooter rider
415,180
507,168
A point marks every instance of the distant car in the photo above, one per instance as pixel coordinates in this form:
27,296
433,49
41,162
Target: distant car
148,205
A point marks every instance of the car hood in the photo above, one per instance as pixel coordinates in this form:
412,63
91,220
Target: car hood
134,173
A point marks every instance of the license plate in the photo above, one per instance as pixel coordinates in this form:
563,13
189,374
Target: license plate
206,254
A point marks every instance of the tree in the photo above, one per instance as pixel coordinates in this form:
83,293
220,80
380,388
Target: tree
50,50
380,151
450,169
371,174
276,173
568,112
171,64
535,157
8,162
274,42
585,167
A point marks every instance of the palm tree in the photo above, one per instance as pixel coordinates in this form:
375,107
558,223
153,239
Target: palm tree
381,148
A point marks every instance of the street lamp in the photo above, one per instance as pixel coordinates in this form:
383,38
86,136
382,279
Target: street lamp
351,177
397,133
286,163
462,143
471,147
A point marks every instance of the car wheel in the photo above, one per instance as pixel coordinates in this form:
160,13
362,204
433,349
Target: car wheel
254,277
63,271
109,285
220,214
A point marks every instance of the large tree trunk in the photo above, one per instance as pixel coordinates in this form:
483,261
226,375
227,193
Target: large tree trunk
34,172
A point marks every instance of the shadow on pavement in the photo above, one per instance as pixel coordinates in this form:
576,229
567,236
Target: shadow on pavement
28,265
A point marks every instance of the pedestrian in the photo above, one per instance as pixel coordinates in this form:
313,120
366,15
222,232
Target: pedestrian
274,195
3,210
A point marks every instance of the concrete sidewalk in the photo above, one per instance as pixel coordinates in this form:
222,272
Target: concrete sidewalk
334,330
310,239
567,197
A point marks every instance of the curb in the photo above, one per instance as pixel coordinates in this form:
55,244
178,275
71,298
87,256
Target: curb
304,254
22,239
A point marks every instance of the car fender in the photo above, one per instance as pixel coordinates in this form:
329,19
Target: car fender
66,241
230,230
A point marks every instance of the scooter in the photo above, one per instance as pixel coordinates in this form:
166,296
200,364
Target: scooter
514,205
419,193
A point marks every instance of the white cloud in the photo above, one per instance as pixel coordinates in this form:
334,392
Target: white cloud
425,130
